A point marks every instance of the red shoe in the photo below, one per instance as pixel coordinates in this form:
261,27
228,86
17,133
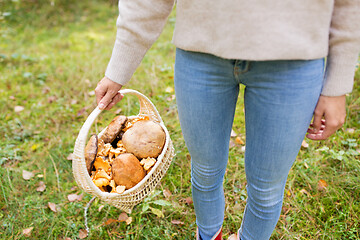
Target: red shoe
217,236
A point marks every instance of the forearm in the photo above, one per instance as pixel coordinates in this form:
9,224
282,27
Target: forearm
138,26
344,47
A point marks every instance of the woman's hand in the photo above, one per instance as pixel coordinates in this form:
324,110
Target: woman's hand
107,93
329,116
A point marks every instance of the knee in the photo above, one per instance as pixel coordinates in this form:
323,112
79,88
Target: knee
206,179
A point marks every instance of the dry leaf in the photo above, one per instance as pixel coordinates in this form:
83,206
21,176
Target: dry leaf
12,98
306,165
305,192
231,144
45,90
91,93
110,221
67,238
167,193
52,206
233,133
304,144
322,184
73,102
120,189
188,200
118,111
128,221
101,207
52,99
123,217
27,231
27,175
83,233
239,141
350,130
242,149
70,157
41,187
18,108
74,197
177,222
169,90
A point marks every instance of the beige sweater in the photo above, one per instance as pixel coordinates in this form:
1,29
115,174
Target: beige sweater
247,30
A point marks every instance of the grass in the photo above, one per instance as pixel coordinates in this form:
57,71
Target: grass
51,58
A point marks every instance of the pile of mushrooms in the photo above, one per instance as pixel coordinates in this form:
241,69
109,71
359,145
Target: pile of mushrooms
122,156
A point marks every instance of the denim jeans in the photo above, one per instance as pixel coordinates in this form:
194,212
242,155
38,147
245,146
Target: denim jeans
279,97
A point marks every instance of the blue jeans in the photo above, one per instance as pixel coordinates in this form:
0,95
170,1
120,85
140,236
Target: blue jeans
279,98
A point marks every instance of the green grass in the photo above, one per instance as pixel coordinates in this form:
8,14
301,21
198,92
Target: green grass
51,58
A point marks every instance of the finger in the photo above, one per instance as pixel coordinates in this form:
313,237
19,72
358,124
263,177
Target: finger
107,99
316,124
311,128
115,100
99,92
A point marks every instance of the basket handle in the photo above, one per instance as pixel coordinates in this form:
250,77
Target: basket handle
146,107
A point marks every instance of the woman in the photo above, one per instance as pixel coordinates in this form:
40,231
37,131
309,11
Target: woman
277,50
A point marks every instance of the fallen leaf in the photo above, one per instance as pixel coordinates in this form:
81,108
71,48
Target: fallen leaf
101,207
239,141
157,212
233,133
18,108
123,217
167,193
73,102
52,206
304,144
83,233
40,175
12,98
177,222
27,231
67,238
52,99
242,149
110,221
81,111
41,187
305,192
231,144
306,165
27,175
74,197
87,81
188,200
169,90
91,93
322,184
45,90
70,157
118,111
350,130
128,221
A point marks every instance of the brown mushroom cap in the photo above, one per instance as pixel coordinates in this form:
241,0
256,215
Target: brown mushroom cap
127,171
91,151
113,129
144,139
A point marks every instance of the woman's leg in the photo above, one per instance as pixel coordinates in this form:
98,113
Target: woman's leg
206,95
280,98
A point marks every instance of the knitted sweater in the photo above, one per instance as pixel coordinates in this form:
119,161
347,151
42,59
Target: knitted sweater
249,30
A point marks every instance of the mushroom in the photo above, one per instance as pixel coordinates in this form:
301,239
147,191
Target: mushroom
147,163
144,139
91,151
113,129
102,163
127,171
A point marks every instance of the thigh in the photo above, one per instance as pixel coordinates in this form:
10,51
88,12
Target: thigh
280,98
206,95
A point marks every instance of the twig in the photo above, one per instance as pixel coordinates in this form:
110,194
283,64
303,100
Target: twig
56,172
85,214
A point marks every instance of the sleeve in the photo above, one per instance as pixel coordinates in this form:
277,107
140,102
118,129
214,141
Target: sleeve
344,48
139,24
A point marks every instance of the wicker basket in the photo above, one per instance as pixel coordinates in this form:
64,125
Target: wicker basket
131,197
